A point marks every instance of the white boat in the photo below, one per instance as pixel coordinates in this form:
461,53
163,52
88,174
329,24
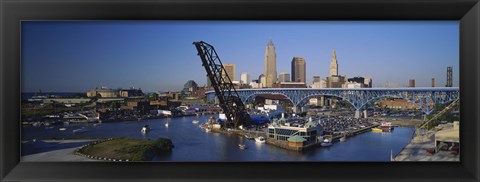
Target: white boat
166,125
242,146
62,129
326,143
81,130
208,130
145,129
260,139
195,121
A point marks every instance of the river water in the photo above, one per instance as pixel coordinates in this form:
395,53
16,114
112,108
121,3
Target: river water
193,144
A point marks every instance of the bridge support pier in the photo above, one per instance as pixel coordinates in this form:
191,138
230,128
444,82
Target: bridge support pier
365,114
296,109
357,113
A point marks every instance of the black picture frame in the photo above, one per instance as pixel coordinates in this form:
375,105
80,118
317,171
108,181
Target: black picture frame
12,12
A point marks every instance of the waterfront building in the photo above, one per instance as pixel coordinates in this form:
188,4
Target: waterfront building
299,71
270,67
334,65
105,92
284,77
283,132
189,88
411,83
449,77
229,69
244,78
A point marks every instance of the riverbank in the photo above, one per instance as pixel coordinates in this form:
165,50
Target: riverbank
53,150
416,150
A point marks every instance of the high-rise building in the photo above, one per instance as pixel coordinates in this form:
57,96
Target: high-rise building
299,71
316,79
411,83
262,80
245,78
284,77
368,82
449,77
229,70
334,65
433,82
270,69
209,83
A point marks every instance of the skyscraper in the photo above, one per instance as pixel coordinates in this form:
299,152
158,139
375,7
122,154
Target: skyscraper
299,71
411,83
433,82
230,70
244,78
284,77
270,69
316,79
334,65
449,77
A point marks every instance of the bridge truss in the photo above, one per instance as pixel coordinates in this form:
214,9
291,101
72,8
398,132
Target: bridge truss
359,98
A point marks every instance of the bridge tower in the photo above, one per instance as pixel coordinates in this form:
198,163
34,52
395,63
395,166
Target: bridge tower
230,101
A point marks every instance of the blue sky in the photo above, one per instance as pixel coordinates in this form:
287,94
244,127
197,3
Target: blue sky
74,56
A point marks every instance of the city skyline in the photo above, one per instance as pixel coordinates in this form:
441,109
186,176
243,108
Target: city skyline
159,56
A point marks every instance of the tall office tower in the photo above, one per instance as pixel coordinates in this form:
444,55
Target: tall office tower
230,70
449,77
244,78
299,69
433,82
411,83
334,65
368,82
316,79
284,77
270,69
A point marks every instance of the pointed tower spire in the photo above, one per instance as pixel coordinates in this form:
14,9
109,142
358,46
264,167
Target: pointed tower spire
334,64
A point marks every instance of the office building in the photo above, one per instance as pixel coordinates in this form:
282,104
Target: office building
411,83
229,69
449,77
316,79
433,82
299,71
284,77
270,68
244,78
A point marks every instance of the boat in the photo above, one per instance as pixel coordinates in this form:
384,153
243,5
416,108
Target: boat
342,139
326,143
249,137
81,130
377,130
166,125
208,130
62,129
195,121
260,139
242,146
145,129
386,126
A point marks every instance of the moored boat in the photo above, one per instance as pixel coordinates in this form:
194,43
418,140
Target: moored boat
377,130
195,121
145,129
326,143
62,129
260,139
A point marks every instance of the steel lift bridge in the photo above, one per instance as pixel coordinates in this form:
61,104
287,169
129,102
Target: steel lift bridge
359,98
230,101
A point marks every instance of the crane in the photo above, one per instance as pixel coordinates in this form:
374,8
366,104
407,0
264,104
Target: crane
230,102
